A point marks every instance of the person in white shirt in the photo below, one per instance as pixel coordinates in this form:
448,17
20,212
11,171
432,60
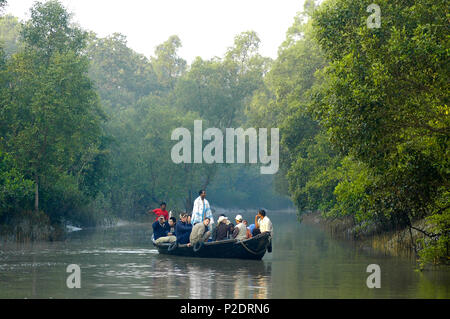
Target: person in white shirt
201,210
262,223
240,231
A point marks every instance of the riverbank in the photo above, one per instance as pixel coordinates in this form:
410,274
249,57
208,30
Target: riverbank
29,226
402,242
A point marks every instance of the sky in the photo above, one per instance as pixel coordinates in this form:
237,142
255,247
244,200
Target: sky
206,27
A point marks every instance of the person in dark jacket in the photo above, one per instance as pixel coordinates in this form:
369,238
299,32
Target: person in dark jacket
160,228
183,229
223,230
173,225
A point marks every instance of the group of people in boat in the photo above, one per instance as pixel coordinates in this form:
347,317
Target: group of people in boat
198,226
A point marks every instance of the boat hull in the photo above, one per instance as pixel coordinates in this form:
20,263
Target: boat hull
252,248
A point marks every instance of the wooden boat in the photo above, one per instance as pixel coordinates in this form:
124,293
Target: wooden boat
252,248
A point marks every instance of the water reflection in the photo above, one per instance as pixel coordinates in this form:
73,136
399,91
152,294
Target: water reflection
120,262
211,278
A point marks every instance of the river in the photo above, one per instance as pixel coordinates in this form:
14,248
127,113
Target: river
120,262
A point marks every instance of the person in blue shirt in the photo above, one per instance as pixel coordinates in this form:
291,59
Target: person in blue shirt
249,232
250,228
183,229
161,230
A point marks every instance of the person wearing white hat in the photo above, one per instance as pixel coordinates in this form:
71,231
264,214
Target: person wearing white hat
240,231
221,219
223,229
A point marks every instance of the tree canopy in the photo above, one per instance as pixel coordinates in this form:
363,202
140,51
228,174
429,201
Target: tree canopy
86,122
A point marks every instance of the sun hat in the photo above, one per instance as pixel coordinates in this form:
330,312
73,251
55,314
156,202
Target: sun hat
222,218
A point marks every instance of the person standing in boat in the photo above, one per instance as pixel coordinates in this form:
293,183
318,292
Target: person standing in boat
161,211
201,210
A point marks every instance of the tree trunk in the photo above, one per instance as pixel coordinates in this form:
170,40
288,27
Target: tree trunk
188,202
36,194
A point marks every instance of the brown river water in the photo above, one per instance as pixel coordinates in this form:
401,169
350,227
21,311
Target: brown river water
120,262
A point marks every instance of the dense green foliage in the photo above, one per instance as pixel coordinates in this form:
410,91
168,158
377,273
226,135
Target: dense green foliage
384,101
50,116
146,99
363,113
86,122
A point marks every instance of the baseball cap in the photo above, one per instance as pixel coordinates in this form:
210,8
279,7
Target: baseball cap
238,217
